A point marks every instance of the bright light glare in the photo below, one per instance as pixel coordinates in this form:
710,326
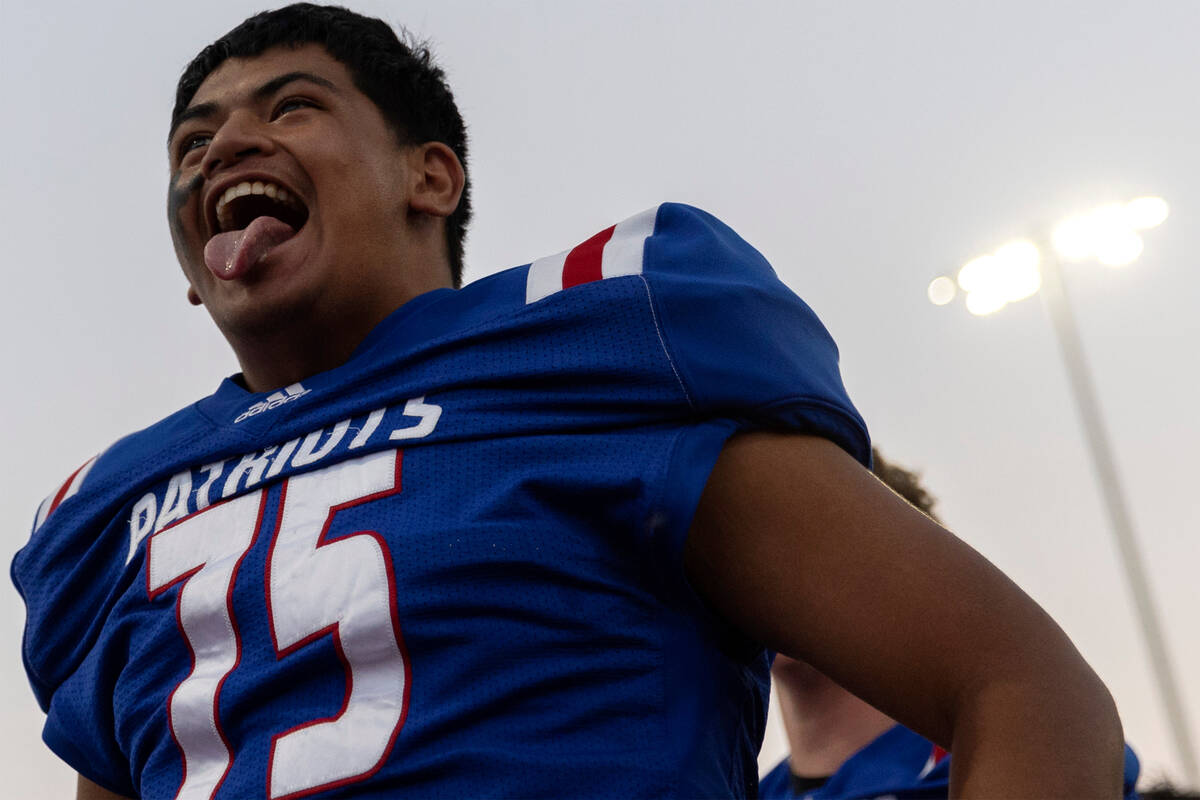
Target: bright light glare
980,302
941,290
1109,217
1018,255
1008,275
1109,233
1118,248
975,273
1024,283
1146,212
1073,239
1018,276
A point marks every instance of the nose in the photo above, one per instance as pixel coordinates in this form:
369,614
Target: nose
240,136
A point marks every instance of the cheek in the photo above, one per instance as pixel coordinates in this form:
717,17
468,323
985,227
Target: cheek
359,181
182,198
365,196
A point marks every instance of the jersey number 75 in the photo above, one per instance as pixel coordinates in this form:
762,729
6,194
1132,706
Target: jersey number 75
343,588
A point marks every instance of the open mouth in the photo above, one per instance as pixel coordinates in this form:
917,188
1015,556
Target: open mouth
249,220
244,202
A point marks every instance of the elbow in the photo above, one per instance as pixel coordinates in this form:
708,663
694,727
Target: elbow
1067,712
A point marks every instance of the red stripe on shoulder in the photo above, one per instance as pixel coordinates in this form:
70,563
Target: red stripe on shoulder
583,263
62,492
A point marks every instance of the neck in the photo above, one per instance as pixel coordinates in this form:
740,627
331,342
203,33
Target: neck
301,329
291,353
304,341
825,724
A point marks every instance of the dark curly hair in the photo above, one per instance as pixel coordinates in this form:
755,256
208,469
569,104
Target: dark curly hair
399,77
1165,790
904,482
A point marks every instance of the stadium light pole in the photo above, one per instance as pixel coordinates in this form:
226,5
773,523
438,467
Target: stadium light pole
1012,273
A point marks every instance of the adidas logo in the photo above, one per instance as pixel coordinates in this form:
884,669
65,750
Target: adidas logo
274,400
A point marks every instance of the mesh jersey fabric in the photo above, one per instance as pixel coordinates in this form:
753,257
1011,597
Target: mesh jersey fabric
451,566
897,764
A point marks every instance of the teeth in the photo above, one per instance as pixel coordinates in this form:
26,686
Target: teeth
244,188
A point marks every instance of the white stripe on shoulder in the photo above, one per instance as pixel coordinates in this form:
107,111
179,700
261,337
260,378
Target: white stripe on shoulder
623,254
63,492
43,511
545,277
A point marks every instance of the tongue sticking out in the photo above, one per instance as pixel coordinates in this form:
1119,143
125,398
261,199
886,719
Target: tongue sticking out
231,254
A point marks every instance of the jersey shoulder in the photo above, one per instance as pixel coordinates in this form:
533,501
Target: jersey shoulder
670,238
741,343
72,563
116,461
64,491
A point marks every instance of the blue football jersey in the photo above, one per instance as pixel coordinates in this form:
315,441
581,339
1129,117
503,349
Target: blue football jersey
898,765
451,566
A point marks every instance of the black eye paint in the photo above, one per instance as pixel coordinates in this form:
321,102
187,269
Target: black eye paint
177,197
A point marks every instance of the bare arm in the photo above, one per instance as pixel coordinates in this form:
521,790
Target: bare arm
808,553
86,790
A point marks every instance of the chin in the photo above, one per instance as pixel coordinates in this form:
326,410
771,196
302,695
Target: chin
262,313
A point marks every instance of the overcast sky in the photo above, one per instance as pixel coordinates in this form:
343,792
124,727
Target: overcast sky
864,147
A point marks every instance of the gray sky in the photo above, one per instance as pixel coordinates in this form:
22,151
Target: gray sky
863,147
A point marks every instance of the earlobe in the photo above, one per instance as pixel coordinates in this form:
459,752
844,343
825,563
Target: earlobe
194,298
438,180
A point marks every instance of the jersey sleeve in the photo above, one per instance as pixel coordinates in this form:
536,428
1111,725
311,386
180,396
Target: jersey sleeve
66,577
744,346
748,355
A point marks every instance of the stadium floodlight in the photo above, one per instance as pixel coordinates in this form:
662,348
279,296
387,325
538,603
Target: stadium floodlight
997,279
1146,212
1119,248
1109,234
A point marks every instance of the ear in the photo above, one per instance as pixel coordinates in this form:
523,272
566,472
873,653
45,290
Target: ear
193,298
437,179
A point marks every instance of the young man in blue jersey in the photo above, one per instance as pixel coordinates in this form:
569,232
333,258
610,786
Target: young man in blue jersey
530,538
842,748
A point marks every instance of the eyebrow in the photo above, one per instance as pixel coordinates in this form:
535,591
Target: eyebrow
262,92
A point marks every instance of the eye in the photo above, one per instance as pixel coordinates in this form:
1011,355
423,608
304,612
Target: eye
291,104
193,142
